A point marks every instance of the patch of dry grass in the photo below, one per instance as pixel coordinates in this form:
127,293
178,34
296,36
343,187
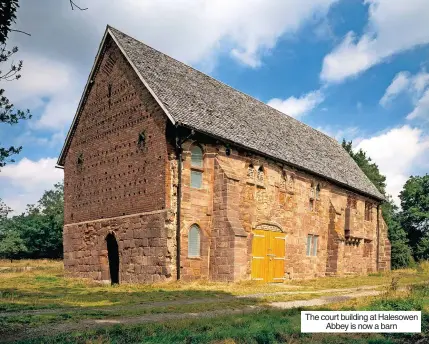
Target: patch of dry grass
45,285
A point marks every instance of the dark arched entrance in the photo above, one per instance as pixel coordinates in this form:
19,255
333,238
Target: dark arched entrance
113,253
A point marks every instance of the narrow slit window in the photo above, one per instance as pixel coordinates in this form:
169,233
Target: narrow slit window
194,244
311,205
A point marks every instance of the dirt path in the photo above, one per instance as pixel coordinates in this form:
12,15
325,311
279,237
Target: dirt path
87,324
321,291
324,300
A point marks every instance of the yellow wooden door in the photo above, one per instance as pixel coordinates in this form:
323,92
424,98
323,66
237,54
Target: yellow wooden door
259,255
268,256
278,243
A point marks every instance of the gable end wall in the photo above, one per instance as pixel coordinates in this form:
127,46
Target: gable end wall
118,186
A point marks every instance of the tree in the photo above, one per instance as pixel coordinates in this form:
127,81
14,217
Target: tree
415,214
4,210
40,226
367,166
8,113
12,246
401,253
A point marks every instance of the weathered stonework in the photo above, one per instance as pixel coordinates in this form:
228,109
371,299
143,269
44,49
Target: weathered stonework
277,200
121,178
146,245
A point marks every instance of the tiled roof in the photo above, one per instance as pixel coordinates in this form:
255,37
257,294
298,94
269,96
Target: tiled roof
200,102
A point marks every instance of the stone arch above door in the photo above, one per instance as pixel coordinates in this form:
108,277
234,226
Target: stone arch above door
269,226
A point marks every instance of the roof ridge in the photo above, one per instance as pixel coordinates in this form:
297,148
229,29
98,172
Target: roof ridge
238,117
223,83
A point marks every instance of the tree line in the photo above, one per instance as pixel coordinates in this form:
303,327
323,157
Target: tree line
36,233
409,224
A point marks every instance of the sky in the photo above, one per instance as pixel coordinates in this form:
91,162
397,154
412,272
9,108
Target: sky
357,70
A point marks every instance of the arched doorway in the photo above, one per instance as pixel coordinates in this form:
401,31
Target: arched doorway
113,254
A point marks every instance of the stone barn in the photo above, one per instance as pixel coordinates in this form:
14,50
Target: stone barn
170,174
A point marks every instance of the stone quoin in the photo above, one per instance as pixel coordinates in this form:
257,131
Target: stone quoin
169,173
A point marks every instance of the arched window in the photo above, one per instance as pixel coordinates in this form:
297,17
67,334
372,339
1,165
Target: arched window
196,167
196,157
194,239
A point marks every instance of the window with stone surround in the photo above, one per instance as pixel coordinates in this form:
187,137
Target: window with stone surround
312,191
368,211
251,171
261,175
194,242
196,167
312,241
311,205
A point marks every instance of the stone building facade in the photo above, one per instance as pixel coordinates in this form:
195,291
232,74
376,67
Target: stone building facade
151,196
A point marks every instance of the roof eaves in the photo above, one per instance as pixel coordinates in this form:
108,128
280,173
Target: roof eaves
347,186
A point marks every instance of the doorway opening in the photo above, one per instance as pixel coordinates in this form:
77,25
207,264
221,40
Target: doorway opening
113,254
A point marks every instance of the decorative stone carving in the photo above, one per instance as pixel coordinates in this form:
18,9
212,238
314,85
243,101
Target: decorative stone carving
269,227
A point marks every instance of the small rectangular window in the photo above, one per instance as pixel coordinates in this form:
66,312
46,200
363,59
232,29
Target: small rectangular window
368,211
312,242
196,179
315,240
311,205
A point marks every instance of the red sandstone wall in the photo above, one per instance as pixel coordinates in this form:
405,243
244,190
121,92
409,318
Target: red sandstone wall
119,186
226,186
116,177
146,247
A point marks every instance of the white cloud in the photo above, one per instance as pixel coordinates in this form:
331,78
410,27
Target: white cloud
298,107
416,86
398,153
394,26
24,182
189,30
58,55
48,85
421,109
398,85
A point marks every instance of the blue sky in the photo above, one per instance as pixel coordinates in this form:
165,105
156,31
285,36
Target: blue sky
354,69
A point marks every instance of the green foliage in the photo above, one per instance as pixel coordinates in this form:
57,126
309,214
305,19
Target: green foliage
401,254
12,246
40,227
8,113
4,210
415,214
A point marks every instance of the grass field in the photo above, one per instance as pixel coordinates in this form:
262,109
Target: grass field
38,294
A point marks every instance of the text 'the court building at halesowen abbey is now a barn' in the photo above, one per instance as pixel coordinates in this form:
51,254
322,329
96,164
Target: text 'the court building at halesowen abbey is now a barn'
169,173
